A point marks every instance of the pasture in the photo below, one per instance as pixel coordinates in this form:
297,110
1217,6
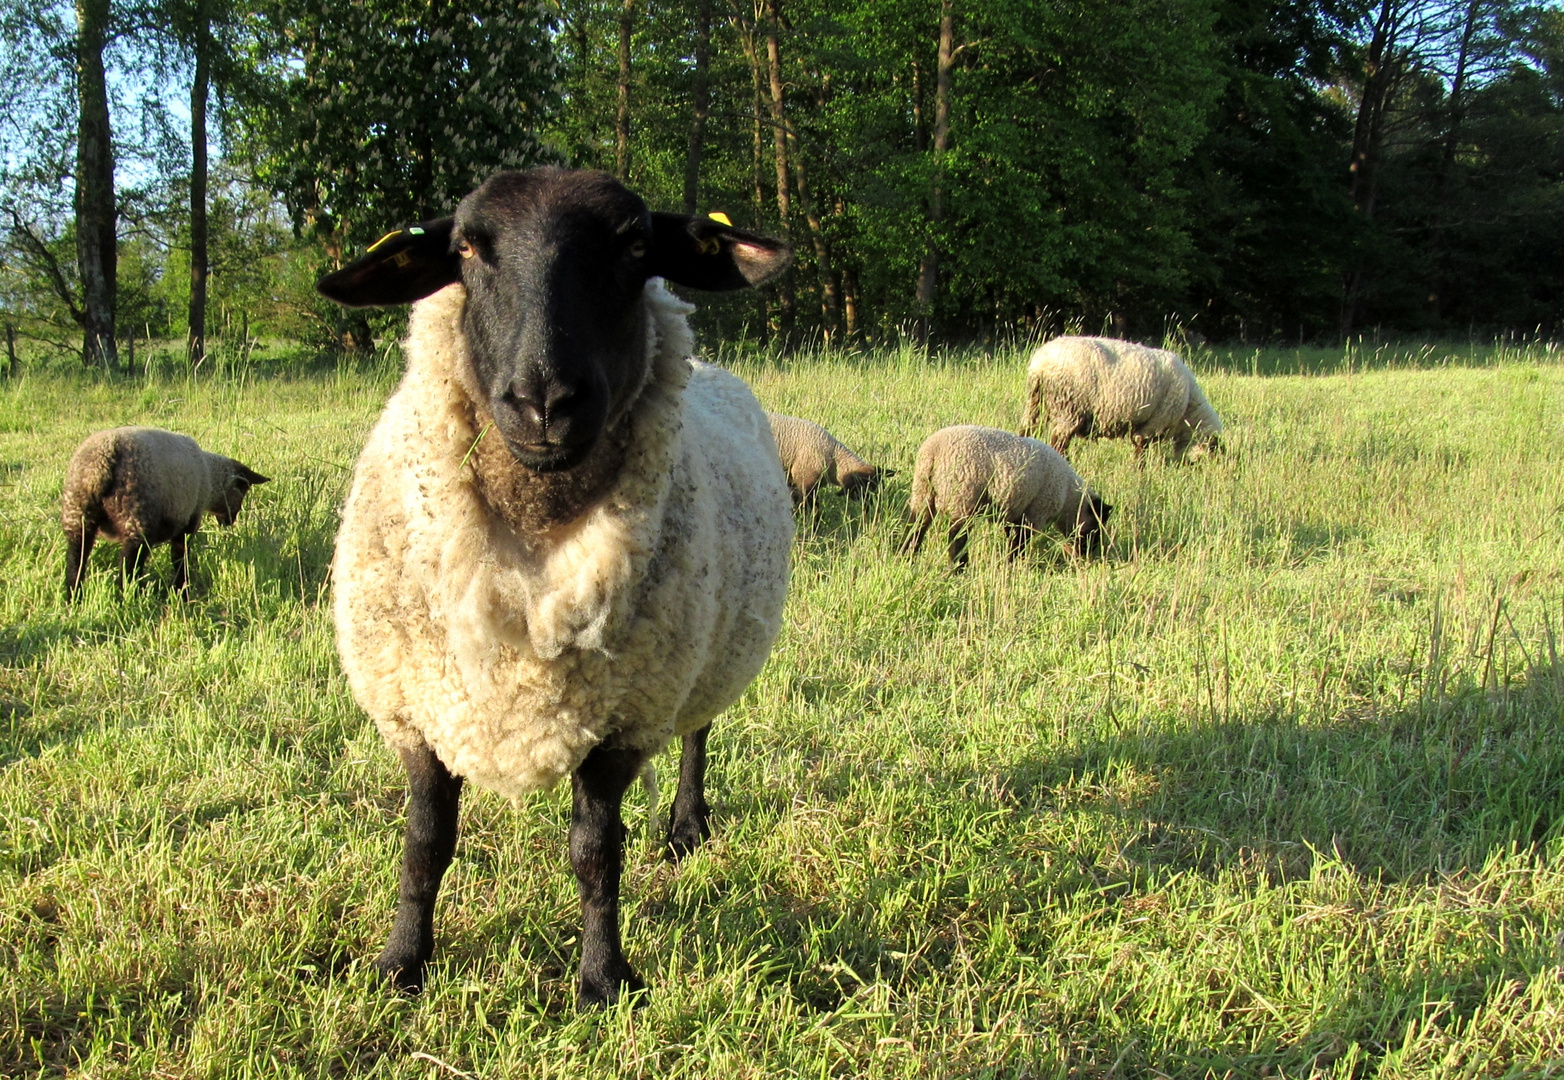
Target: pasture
1274,789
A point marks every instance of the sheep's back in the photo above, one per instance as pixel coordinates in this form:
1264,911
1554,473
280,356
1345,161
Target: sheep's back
1127,388
807,450
147,482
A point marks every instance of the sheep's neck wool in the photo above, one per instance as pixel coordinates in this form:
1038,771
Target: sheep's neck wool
533,504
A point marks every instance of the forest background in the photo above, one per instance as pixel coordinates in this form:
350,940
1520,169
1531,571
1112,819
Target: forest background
1252,170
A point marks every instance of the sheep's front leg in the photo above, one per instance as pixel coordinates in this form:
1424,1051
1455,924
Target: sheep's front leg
181,559
1018,532
597,839
181,556
433,800
687,825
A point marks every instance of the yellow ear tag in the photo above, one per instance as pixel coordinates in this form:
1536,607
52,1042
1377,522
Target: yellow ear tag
381,242
720,218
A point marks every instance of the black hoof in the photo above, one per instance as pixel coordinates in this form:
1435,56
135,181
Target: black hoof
406,974
685,835
599,992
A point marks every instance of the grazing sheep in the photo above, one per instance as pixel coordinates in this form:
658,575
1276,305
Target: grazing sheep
565,543
145,486
965,468
1109,389
812,456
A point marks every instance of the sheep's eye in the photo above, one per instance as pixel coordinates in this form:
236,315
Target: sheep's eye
637,249
464,249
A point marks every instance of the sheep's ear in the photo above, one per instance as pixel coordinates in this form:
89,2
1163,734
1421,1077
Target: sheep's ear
399,268
704,253
251,475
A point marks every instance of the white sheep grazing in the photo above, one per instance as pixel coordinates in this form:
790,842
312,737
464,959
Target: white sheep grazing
964,469
1110,389
565,543
143,487
812,456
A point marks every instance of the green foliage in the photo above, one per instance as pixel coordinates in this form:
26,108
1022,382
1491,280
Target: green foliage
367,116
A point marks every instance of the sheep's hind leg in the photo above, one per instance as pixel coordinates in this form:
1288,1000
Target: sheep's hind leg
134,552
433,801
956,543
597,855
920,526
687,821
77,547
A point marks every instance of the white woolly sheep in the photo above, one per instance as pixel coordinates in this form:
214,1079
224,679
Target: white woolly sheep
565,543
143,487
812,456
1105,388
963,469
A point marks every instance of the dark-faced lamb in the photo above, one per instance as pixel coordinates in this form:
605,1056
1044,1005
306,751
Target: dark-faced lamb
566,544
964,469
143,487
812,456
1090,387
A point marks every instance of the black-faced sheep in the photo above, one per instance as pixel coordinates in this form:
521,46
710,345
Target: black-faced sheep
565,544
143,487
964,469
812,456
1105,388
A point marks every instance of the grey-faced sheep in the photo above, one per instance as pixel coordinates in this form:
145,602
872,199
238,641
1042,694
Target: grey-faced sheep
812,456
143,487
1105,388
565,543
964,469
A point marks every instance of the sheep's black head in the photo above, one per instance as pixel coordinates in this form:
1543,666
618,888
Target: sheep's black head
555,263
1090,518
230,499
865,482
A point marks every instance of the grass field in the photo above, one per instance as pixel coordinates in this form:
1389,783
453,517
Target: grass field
1275,789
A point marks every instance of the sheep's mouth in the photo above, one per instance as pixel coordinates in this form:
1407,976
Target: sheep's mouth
547,457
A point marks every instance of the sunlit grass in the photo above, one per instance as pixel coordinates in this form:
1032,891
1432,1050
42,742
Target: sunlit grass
1275,788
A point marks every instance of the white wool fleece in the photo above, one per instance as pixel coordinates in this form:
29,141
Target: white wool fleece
1127,389
642,619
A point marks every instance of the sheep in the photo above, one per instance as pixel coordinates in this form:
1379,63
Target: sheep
1106,388
812,456
145,486
565,543
962,469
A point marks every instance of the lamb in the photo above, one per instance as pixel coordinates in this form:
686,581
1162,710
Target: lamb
962,469
565,543
145,486
1106,388
812,456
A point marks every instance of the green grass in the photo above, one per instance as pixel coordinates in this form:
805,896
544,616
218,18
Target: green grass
1275,789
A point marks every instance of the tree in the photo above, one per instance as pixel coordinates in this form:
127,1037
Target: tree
335,126
97,250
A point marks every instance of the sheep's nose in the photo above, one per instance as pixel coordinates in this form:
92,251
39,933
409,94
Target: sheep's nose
543,404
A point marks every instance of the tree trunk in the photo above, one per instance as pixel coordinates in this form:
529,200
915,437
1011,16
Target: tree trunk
700,100
1455,116
785,297
96,253
928,272
622,119
10,349
752,54
1380,74
196,343
817,237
